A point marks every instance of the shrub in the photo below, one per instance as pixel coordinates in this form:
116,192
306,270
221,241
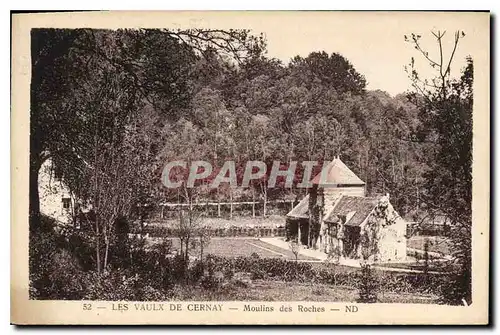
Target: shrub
254,255
454,290
257,273
67,280
179,268
113,286
59,271
55,272
209,282
41,252
149,293
229,272
196,272
368,285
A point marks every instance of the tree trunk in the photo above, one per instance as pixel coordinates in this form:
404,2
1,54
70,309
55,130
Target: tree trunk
253,202
34,196
230,203
186,256
309,232
36,161
265,202
201,250
218,203
106,252
98,246
418,197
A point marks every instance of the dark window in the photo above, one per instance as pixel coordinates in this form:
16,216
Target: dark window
58,174
66,202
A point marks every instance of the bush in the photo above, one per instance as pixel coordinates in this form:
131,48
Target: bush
112,286
179,268
55,272
369,286
66,277
229,273
59,271
258,274
149,293
196,272
254,255
209,282
285,270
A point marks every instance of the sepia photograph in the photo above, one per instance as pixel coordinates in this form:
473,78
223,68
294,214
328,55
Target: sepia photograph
328,164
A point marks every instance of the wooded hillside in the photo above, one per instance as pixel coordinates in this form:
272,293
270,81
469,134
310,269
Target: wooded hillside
138,99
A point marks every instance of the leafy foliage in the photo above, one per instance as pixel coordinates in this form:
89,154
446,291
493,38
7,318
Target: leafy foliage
110,108
155,273
446,114
368,285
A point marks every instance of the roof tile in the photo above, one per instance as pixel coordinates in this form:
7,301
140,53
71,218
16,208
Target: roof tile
337,173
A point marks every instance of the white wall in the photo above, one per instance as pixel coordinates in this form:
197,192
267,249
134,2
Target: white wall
392,243
52,193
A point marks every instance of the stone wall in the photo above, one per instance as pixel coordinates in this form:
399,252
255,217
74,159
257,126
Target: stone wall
392,243
388,228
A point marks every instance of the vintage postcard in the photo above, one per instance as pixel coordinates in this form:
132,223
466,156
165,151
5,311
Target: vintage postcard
259,168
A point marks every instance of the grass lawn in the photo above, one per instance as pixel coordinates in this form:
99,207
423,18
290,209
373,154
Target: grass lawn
433,266
268,290
245,247
436,243
234,247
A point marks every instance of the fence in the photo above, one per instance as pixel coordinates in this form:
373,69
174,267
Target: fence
415,229
160,231
224,209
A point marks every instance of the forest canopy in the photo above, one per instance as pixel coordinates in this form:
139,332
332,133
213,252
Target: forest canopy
110,108
113,107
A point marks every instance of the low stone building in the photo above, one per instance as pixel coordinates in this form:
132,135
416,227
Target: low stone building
56,200
346,223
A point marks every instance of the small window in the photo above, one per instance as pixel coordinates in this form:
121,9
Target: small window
66,202
58,174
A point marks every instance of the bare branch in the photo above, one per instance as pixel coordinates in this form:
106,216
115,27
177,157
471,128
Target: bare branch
440,43
424,53
448,67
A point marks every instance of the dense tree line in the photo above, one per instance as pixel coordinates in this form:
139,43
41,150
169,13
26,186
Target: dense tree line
110,108
151,97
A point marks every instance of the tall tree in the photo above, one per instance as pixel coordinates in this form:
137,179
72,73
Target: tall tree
446,114
155,65
328,70
53,60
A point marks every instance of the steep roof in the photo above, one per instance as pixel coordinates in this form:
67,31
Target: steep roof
361,206
301,211
337,173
